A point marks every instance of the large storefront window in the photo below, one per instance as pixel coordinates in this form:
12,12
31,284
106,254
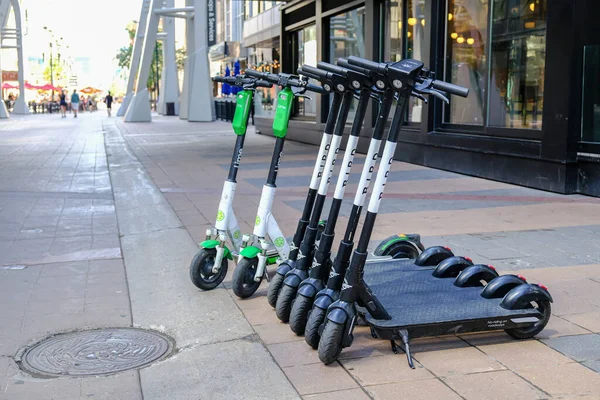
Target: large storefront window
307,54
347,34
591,95
518,60
406,33
510,94
466,52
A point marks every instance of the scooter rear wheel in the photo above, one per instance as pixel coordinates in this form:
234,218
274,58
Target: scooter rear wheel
397,250
316,316
201,270
330,345
543,307
243,283
274,289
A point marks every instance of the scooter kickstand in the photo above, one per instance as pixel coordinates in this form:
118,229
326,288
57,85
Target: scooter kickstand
373,334
394,347
404,334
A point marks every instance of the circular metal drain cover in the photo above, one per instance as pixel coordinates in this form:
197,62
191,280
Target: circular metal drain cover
95,352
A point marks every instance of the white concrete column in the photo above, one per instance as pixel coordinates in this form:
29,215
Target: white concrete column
136,53
189,47
20,106
169,89
201,106
4,7
139,109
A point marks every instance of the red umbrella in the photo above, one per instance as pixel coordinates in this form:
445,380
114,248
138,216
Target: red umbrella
6,85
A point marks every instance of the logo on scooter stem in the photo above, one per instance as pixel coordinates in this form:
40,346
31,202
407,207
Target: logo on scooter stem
220,215
345,285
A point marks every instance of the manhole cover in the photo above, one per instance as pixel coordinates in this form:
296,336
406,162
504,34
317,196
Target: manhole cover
95,352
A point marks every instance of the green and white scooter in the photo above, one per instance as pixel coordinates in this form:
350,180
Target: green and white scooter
253,259
209,266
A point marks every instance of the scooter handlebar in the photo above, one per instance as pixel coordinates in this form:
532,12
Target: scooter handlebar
315,71
301,71
263,83
451,88
343,62
218,78
332,68
315,88
274,78
366,64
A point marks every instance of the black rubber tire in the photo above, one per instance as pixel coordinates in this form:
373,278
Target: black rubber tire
527,333
285,302
243,283
398,250
316,316
274,289
201,264
330,345
299,314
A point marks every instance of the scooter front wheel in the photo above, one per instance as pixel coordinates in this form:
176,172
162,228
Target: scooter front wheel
201,270
299,314
316,316
285,301
274,289
243,283
330,345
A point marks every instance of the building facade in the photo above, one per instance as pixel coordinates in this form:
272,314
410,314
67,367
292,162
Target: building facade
533,115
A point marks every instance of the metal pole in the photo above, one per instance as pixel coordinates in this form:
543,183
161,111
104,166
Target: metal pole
156,93
51,74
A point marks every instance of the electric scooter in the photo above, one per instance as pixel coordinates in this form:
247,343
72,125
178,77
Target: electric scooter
414,301
277,281
253,259
294,277
209,266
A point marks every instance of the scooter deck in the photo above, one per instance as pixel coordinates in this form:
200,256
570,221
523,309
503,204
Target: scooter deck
414,299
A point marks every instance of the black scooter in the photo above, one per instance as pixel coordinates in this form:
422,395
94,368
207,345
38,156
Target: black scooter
367,86
414,301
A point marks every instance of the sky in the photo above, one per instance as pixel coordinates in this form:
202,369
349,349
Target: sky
91,28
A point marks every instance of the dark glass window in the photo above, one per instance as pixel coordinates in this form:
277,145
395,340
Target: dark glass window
591,95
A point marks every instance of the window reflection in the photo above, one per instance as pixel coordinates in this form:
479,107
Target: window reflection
591,95
518,61
466,52
347,38
412,29
307,54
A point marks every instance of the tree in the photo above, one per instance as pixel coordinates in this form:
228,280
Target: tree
124,57
57,70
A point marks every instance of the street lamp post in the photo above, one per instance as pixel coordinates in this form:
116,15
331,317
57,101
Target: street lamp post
51,58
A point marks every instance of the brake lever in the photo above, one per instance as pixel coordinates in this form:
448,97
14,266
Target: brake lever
419,96
439,95
303,96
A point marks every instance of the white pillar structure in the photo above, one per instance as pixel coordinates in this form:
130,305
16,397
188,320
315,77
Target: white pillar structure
4,9
169,83
200,104
136,53
139,109
20,107
196,102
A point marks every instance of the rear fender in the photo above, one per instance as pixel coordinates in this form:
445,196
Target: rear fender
498,287
451,267
521,296
473,275
432,256
211,244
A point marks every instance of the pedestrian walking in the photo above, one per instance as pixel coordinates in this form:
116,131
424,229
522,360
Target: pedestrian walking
75,102
108,100
90,104
63,104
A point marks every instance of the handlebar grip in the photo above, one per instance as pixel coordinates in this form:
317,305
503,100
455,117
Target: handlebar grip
263,75
366,64
332,68
218,78
343,62
308,74
451,88
315,71
263,83
315,88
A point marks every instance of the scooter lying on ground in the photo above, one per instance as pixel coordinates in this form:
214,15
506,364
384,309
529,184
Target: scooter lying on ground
415,301
209,266
253,259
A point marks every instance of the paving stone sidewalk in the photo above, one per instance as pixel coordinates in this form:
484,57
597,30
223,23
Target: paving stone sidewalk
99,220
